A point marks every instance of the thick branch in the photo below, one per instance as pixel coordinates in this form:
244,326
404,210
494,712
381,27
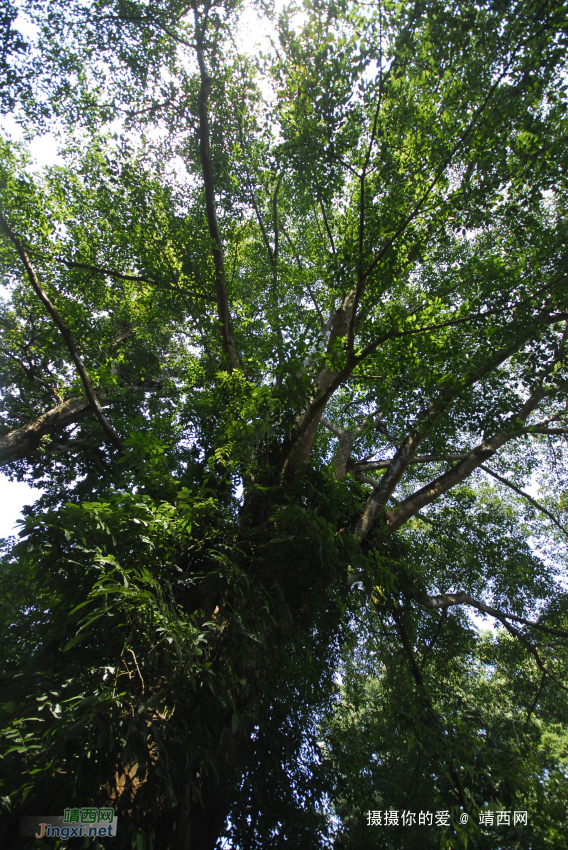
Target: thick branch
335,429
211,212
446,600
345,447
108,430
464,468
330,379
21,442
407,451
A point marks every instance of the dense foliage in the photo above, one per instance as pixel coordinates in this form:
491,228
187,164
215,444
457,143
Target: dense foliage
431,711
283,343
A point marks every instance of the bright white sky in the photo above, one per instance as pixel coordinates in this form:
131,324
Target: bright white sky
13,496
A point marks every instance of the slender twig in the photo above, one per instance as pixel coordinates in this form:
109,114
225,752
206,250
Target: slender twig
327,227
534,703
419,459
260,223
441,621
137,667
300,266
533,651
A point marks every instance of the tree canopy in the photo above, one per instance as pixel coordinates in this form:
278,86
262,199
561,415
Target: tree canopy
284,343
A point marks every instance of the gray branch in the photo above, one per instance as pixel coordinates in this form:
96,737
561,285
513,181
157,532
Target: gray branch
446,600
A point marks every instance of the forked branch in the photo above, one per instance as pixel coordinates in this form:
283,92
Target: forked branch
407,451
473,460
22,442
445,600
345,446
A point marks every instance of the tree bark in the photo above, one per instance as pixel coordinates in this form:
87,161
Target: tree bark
23,441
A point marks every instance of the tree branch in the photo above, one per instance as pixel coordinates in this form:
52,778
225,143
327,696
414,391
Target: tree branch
532,649
211,211
21,442
300,266
441,621
446,600
327,227
103,270
108,430
477,120
420,684
345,447
74,264
274,277
534,702
427,418
330,379
527,496
369,465
260,223
536,429
464,468
364,275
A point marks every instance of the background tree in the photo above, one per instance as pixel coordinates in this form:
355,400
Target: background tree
271,318
432,710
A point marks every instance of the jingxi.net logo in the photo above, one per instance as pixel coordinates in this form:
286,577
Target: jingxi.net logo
88,822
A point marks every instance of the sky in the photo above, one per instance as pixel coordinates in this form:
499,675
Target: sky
13,496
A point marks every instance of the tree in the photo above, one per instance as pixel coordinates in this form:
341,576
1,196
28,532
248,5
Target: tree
271,318
431,711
